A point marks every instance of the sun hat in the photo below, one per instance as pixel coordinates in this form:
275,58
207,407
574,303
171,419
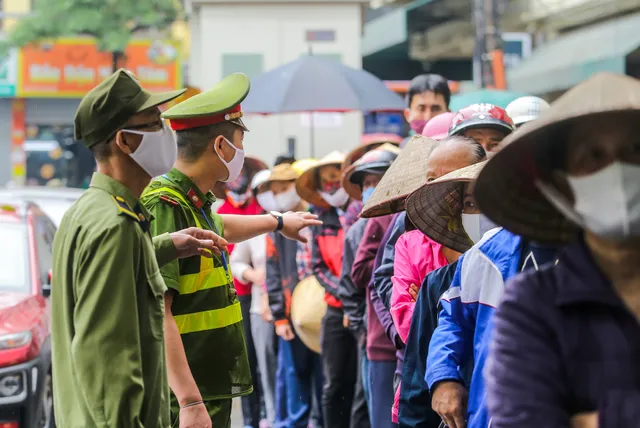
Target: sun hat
369,142
308,307
506,190
435,208
260,178
407,173
438,127
304,164
283,172
376,161
306,184
526,109
481,116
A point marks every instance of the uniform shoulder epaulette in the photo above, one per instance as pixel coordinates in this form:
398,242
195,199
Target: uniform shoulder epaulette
124,208
168,200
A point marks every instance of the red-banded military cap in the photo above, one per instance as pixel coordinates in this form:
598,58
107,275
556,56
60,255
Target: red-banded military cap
219,104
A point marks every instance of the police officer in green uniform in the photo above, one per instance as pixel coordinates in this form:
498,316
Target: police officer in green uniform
206,353
107,305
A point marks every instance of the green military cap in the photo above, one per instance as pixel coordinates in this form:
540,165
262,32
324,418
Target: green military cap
219,104
108,106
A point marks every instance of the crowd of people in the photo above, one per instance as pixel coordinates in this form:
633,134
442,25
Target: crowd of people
482,272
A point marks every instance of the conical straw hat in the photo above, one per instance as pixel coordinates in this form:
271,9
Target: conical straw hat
435,208
506,190
407,173
307,310
306,184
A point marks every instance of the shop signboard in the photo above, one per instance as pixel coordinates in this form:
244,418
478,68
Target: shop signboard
516,46
8,71
71,67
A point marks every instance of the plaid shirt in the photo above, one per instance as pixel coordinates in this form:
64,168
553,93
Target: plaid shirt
304,255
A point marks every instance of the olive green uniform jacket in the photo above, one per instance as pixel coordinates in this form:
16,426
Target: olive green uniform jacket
109,366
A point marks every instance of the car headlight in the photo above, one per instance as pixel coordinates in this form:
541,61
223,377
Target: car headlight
15,340
11,385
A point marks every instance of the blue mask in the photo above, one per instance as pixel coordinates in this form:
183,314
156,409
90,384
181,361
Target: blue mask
366,194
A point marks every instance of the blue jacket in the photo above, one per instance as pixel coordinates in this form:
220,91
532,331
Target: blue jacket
464,324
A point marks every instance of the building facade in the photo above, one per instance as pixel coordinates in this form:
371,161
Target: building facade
253,37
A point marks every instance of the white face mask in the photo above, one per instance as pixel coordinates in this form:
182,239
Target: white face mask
234,167
267,201
288,200
157,151
607,202
476,225
336,200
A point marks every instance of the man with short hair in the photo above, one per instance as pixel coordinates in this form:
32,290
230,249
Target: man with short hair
206,353
108,356
428,96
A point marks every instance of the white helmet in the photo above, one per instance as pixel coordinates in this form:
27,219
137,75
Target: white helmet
261,177
526,109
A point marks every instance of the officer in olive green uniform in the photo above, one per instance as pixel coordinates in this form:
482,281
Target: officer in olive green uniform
205,307
107,303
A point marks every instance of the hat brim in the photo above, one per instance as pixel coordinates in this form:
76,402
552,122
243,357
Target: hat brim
405,175
306,185
362,149
158,99
436,207
240,123
506,190
307,310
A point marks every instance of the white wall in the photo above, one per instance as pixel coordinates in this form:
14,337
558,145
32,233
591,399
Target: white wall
277,31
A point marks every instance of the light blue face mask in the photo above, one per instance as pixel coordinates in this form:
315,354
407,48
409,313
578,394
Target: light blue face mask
366,194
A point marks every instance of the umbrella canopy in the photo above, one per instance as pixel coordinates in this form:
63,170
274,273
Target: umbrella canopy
489,96
318,84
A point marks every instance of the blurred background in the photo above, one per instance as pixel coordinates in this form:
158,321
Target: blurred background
539,47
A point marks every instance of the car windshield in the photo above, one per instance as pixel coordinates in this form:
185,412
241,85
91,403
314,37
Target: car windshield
14,258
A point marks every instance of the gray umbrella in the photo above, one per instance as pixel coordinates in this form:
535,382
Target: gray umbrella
317,84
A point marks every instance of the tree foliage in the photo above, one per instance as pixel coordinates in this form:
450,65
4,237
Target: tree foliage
110,22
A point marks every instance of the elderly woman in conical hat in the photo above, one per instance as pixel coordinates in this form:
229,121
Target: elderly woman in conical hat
572,178
445,210
415,254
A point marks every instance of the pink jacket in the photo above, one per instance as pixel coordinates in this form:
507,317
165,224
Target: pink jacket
416,256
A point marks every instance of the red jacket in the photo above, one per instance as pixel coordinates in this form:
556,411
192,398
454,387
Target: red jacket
251,208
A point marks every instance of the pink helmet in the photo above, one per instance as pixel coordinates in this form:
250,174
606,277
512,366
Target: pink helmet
438,127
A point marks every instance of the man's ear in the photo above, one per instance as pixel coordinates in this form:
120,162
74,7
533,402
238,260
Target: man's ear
122,143
407,112
218,144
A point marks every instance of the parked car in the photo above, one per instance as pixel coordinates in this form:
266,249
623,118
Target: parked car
54,201
26,396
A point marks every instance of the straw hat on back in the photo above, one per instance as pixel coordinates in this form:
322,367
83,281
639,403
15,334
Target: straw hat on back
506,190
307,185
435,208
407,173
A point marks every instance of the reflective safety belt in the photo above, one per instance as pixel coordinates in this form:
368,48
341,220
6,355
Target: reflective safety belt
209,320
169,190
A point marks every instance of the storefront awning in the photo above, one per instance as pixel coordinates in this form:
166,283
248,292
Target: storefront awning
567,60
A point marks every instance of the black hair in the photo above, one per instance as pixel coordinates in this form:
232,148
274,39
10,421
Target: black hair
284,159
429,82
193,142
101,151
